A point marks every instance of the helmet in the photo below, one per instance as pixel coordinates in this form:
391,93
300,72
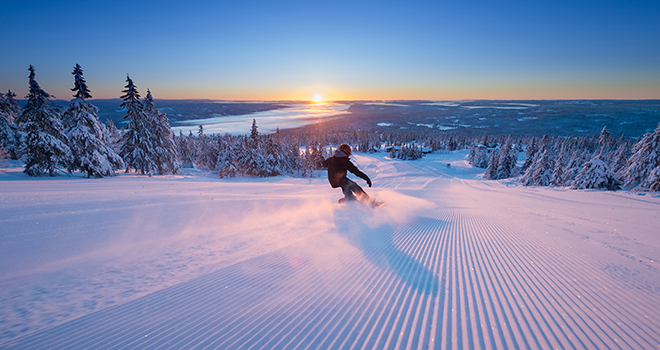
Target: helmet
346,148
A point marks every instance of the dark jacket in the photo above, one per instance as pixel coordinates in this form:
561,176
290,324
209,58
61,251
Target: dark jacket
338,165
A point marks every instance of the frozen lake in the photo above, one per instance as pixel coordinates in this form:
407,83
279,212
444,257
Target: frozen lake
268,121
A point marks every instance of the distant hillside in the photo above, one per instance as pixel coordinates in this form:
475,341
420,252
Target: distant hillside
533,118
631,118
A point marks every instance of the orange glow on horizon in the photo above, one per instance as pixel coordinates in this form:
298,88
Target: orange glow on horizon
456,92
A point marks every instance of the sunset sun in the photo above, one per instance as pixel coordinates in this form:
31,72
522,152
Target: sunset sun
318,98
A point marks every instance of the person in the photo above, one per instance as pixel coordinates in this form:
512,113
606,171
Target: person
338,165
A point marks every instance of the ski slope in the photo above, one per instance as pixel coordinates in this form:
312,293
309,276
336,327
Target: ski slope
450,262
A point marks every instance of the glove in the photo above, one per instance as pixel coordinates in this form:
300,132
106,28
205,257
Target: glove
369,182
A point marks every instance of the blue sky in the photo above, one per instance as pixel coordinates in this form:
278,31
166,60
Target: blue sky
267,50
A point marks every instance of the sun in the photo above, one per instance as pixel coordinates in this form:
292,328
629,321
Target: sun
318,98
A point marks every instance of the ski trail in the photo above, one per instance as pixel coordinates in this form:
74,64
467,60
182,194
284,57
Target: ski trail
406,276
451,282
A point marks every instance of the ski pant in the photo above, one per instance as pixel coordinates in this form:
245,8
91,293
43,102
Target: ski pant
351,190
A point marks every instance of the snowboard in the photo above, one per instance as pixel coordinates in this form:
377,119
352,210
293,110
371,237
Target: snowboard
372,204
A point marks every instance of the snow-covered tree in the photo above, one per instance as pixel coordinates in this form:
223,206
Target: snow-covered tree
493,164
9,107
577,160
595,174
273,157
4,155
508,159
540,172
558,173
620,157
254,135
184,149
605,139
9,135
85,134
137,148
652,182
478,156
111,135
530,153
645,158
45,148
167,160
227,165
206,150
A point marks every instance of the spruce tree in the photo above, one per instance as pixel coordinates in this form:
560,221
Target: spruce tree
45,147
493,163
9,107
254,135
137,149
645,158
112,136
91,154
206,157
595,174
227,165
167,159
559,170
508,159
652,182
184,151
9,135
529,155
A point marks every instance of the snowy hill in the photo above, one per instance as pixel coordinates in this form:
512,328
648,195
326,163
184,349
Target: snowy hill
450,261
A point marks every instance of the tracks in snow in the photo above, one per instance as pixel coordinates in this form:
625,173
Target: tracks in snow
451,281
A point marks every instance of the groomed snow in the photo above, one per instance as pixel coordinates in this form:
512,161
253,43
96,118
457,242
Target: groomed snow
450,262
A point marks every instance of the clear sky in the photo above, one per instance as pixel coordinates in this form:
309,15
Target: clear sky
272,50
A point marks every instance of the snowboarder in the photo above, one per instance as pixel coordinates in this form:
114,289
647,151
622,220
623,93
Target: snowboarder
337,166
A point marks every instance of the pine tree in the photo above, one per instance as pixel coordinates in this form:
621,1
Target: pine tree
507,161
9,135
645,158
605,137
9,107
273,157
652,182
91,154
112,136
45,148
558,173
167,159
137,148
595,174
207,157
493,164
529,155
479,157
254,135
184,150
227,165
539,172
543,168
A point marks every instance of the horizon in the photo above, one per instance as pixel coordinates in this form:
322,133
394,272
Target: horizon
312,102
347,51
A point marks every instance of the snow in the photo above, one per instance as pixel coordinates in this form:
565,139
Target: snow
450,261
294,116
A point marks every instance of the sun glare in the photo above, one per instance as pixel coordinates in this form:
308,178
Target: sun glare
318,98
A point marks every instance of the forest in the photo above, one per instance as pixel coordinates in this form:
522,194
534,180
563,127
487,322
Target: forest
52,140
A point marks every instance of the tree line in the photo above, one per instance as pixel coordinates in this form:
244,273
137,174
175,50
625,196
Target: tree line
601,162
50,140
